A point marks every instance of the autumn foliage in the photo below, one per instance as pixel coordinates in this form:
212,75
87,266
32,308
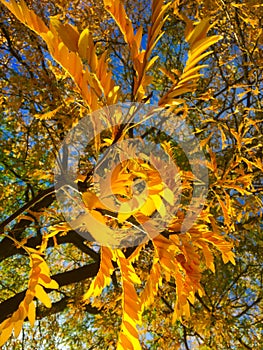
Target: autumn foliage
200,62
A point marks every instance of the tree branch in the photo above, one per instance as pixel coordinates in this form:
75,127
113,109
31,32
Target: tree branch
70,237
10,305
42,200
249,307
61,305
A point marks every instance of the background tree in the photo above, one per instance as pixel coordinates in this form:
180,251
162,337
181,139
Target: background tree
44,94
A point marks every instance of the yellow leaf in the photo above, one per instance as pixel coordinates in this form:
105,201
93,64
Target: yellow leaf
153,282
189,72
124,343
18,314
193,62
47,282
149,207
130,330
224,210
202,45
17,327
159,205
68,34
91,201
189,78
47,115
228,256
138,37
103,277
42,296
5,334
209,259
199,31
87,49
26,16
31,313
168,195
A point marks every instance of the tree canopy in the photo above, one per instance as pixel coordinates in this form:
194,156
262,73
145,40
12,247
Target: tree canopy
156,240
